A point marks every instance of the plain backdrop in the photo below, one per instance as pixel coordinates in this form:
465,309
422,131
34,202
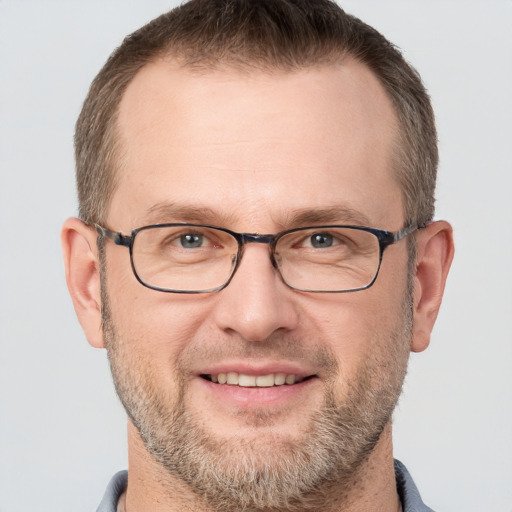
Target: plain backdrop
62,432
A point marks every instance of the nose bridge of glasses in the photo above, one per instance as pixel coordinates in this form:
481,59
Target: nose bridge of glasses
247,238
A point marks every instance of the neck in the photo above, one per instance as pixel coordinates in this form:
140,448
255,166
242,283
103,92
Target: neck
150,487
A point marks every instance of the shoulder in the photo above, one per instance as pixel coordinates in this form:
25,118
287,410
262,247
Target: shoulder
115,489
407,490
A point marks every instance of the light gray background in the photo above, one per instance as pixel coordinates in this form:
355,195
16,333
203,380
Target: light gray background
62,432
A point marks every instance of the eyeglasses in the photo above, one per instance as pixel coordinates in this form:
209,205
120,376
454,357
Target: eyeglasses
197,258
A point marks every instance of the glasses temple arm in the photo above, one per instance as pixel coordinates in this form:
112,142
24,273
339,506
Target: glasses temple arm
117,238
398,235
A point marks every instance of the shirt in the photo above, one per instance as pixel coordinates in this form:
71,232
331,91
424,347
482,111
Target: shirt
407,491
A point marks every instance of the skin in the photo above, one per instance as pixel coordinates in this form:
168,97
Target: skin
251,152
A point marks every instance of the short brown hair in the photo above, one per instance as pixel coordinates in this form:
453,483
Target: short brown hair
261,34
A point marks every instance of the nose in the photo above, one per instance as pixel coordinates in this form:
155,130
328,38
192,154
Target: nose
256,303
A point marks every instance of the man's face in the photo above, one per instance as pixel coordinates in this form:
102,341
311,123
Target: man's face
259,153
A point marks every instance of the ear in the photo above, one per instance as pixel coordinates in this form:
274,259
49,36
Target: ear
434,256
83,277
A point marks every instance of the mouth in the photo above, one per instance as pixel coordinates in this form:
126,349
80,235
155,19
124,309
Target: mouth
268,386
255,381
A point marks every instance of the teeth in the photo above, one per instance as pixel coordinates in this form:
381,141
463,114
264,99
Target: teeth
265,381
251,381
232,378
246,381
280,379
290,379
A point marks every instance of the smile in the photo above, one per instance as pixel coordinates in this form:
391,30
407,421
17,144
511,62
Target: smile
254,381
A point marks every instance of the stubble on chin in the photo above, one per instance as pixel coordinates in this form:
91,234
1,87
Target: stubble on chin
271,473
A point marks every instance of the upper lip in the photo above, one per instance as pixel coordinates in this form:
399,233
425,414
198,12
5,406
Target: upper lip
253,368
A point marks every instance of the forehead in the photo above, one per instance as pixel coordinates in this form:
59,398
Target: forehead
254,147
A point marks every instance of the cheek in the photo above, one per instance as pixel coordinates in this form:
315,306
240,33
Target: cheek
360,326
154,327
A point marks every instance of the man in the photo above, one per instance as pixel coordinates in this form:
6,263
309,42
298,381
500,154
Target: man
256,252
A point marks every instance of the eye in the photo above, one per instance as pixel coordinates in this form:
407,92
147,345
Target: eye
191,240
321,240
335,239
179,239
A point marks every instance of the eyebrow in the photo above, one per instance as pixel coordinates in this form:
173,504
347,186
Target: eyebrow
165,212
161,213
338,214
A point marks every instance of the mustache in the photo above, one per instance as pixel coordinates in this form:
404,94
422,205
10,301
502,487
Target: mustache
277,347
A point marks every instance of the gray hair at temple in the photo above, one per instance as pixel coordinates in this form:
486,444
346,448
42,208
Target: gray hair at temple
262,35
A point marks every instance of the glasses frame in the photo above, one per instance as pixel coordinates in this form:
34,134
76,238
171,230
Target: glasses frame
385,239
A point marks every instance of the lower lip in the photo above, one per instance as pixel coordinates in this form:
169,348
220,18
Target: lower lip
258,397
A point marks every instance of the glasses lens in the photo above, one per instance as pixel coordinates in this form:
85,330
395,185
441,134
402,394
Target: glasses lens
184,258
328,259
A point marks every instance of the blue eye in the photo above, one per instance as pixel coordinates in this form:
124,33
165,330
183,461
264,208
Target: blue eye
191,241
321,240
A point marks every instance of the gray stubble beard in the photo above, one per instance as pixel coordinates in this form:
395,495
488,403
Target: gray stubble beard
312,474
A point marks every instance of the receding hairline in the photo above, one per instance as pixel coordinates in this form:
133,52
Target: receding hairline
273,35
245,70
